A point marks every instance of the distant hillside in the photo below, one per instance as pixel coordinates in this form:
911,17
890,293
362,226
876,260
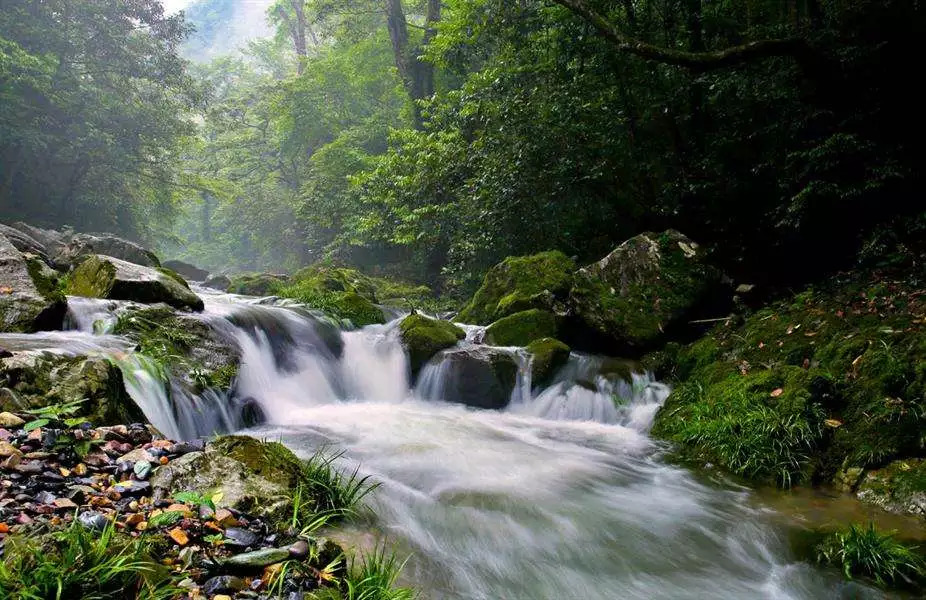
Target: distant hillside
223,26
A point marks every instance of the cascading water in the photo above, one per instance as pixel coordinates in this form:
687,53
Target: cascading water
561,496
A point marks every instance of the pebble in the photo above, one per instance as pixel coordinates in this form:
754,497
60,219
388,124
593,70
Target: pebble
257,559
223,583
10,421
93,520
242,538
299,549
142,469
7,449
44,497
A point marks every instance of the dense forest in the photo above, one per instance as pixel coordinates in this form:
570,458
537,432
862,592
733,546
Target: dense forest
431,139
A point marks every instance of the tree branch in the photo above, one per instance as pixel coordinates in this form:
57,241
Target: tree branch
699,61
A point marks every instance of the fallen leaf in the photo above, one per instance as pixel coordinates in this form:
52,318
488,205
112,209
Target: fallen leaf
6,290
179,536
777,392
832,423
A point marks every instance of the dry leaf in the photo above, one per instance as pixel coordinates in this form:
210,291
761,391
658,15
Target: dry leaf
179,536
832,423
777,392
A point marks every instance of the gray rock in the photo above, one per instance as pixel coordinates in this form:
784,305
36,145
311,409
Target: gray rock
241,538
142,469
83,245
186,270
218,282
53,241
477,376
24,242
93,520
100,276
223,584
29,296
299,549
257,559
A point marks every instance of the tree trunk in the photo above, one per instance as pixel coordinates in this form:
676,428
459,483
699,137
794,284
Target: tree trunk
417,74
299,28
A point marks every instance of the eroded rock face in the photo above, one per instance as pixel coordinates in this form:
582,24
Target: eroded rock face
29,296
24,242
648,285
36,379
83,245
477,376
424,337
186,270
252,476
101,276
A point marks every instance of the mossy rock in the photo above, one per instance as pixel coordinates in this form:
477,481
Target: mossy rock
30,297
357,309
323,278
271,460
32,380
522,328
106,277
547,356
259,284
424,337
899,487
650,284
520,283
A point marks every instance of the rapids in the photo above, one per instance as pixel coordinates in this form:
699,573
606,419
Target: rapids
562,496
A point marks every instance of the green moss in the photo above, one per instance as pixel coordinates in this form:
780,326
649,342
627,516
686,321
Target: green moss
271,460
261,284
424,337
520,329
519,283
547,356
93,278
864,338
45,279
173,275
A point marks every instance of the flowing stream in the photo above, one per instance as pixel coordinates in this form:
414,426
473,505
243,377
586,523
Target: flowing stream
561,496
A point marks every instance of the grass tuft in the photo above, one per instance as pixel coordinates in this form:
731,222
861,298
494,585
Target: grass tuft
866,552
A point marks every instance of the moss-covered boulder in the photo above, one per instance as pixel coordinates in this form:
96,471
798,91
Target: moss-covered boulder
34,379
83,245
842,361
243,473
650,284
107,277
30,298
193,351
899,487
354,308
477,376
547,356
522,328
345,294
256,284
520,283
424,337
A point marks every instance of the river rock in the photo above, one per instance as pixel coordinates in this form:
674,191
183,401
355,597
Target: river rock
93,520
35,379
258,559
522,328
29,296
83,245
9,420
223,583
424,337
24,242
51,240
100,276
252,476
218,282
242,538
547,356
257,284
186,270
477,376
899,487
520,283
648,286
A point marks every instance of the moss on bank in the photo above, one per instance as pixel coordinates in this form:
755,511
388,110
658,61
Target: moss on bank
830,379
520,283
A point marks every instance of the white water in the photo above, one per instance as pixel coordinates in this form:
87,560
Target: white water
562,496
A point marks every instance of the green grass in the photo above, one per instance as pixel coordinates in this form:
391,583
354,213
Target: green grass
866,552
330,489
371,576
75,564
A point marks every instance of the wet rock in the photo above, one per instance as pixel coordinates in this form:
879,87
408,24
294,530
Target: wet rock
101,276
186,270
522,328
242,538
7,450
4,353
44,497
257,559
224,584
476,376
424,337
547,356
899,487
136,455
299,549
29,296
93,520
10,421
143,469
218,282
133,488
24,242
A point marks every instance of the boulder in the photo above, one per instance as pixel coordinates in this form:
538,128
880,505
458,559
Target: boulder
51,240
24,242
424,337
108,277
37,379
547,356
186,270
86,244
648,285
520,283
260,284
252,476
29,296
522,328
477,376
218,282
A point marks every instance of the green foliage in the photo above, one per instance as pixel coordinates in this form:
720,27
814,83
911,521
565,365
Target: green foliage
332,490
372,576
342,293
55,413
81,564
866,552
